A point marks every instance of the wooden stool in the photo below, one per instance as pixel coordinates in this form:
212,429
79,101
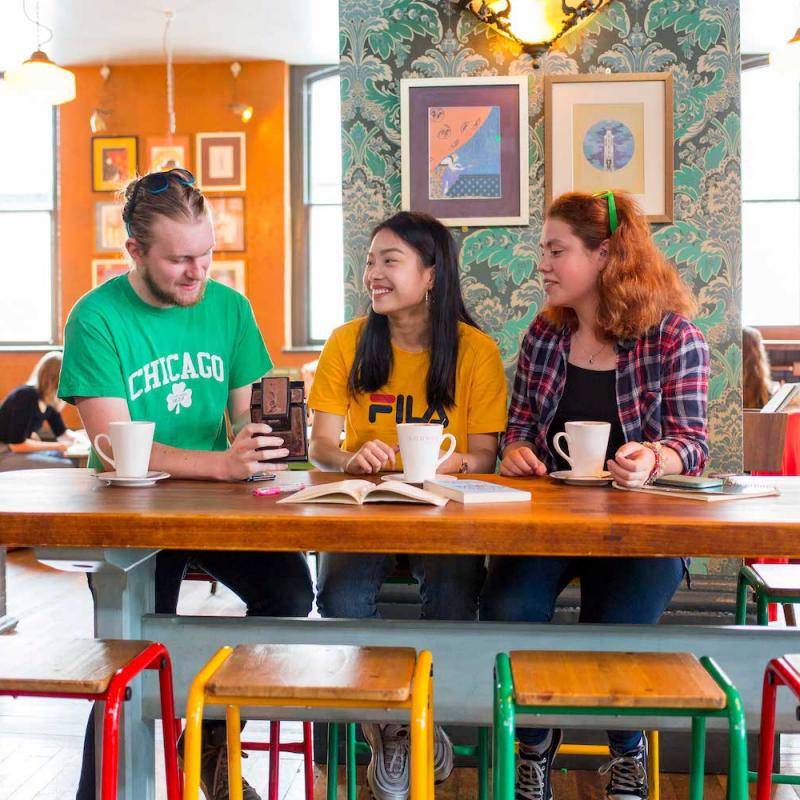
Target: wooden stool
783,671
771,583
618,684
313,676
92,669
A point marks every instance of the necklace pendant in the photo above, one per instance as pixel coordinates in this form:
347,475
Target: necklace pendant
591,360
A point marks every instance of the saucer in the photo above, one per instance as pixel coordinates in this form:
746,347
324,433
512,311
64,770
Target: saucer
132,483
581,480
400,476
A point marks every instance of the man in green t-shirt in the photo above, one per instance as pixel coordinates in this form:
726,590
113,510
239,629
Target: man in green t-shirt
166,344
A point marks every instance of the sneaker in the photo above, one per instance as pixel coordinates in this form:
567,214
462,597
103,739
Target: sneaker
387,773
628,773
214,776
442,755
533,769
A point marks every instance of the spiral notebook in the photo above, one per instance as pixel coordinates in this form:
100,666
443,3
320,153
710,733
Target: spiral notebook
714,494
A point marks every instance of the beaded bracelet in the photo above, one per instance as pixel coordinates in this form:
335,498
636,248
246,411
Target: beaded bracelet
658,467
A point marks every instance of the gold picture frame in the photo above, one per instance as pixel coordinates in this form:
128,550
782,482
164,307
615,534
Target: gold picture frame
114,162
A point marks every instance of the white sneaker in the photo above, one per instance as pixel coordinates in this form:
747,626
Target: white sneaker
387,773
442,755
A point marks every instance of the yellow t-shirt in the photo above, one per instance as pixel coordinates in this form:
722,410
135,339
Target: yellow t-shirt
480,401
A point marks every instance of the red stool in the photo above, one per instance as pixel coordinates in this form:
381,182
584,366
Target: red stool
275,747
92,669
784,671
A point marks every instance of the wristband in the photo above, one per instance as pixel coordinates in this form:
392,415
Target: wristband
658,467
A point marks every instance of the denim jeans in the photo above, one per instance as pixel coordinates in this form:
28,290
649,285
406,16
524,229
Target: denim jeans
270,584
613,590
348,584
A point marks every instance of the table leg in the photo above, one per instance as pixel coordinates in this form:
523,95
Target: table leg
122,583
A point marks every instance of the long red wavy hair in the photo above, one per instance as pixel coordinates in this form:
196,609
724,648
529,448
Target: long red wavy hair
638,285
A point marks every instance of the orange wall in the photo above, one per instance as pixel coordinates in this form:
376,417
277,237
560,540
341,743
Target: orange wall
136,96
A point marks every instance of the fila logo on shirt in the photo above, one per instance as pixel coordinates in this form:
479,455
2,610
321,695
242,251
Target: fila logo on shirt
402,406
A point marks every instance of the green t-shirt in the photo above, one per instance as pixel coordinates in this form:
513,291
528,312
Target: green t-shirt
174,366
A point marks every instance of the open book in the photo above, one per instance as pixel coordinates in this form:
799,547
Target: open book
475,491
715,494
356,492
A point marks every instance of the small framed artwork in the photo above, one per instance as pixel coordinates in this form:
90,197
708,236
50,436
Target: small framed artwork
464,149
220,159
229,273
110,233
611,131
165,153
113,162
228,215
103,269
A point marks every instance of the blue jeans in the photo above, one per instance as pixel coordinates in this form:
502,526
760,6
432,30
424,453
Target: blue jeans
613,590
270,584
348,584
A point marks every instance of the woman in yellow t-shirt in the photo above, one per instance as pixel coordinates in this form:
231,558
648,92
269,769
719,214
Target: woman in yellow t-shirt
416,357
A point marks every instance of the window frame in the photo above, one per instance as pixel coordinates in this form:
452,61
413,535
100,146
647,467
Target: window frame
55,316
301,78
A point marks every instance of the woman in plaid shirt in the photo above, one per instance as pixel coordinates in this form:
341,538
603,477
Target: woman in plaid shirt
613,344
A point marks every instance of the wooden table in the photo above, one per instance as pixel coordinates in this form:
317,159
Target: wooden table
76,523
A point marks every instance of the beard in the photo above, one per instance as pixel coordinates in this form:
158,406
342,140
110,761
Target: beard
169,296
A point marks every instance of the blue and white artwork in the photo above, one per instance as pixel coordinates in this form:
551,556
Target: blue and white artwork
608,145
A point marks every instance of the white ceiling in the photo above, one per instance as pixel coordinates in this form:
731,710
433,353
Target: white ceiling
297,31
120,31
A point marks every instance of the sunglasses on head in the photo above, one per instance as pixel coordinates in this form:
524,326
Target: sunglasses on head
155,183
612,209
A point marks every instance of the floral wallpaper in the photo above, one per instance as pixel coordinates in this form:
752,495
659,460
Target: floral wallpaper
382,41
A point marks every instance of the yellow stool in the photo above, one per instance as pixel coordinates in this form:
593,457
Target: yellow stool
312,676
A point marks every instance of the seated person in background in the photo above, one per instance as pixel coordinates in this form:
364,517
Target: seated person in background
757,387
23,413
420,351
162,331
614,343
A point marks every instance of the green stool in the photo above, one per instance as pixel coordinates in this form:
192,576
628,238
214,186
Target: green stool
771,583
558,683
353,747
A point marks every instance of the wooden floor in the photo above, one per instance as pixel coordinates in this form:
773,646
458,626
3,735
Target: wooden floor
41,740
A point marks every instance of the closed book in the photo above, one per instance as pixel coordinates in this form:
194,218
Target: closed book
717,494
356,492
473,491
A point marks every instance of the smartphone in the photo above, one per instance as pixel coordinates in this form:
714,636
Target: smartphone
689,482
262,476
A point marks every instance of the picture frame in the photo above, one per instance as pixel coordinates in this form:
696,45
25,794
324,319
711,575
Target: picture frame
611,131
221,162
229,273
110,233
114,162
166,152
228,216
104,269
464,149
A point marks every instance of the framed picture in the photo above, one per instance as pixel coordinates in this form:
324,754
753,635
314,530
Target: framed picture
220,161
165,153
110,233
103,269
608,131
229,273
464,149
113,162
228,215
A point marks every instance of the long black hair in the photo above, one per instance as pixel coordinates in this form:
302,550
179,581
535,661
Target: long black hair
373,362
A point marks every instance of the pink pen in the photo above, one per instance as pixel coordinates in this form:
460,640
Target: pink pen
273,490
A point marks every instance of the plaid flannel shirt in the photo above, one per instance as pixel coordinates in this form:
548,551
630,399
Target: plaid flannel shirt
662,388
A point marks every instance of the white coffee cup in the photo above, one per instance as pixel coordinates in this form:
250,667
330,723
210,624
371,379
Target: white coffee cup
420,443
587,443
131,443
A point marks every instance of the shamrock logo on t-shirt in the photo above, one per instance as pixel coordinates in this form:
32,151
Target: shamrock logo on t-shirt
181,396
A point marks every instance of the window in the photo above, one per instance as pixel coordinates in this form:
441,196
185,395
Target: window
317,245
27,223
770,198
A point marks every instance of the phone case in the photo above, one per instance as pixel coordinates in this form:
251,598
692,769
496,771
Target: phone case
281,404
689,481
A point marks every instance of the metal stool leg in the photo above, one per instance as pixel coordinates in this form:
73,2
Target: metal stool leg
333,759
308,760
697,769
234,752
274,759
766,737
350,759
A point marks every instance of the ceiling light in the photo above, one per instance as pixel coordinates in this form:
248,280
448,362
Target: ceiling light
533,24
38,77
98,120
242,110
